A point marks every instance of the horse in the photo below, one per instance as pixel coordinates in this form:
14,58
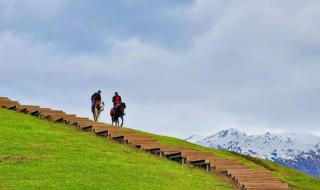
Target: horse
96,109
116,113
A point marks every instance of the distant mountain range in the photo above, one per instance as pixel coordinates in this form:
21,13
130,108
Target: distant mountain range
298,151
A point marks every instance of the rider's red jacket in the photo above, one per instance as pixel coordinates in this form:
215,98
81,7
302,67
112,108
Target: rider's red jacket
116,100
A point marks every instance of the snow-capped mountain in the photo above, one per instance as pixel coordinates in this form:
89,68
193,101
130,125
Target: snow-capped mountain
194,138
299,151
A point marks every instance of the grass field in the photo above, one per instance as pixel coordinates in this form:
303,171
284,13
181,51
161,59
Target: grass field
36,154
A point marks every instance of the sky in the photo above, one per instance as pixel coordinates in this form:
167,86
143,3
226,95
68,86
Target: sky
183,67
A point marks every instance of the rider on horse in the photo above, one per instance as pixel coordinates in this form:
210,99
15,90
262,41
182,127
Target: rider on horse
118,109
116,100
95,98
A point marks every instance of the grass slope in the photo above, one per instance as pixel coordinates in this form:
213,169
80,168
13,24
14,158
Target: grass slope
296,179
36,154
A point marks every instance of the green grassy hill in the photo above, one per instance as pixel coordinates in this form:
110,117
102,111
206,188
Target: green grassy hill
36,154
296,179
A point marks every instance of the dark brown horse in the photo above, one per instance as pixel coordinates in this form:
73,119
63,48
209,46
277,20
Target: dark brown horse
116,113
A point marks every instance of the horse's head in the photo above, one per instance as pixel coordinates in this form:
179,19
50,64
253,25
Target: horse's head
102,106
123,106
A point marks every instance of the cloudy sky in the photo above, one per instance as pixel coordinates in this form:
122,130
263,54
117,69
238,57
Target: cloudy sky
182,66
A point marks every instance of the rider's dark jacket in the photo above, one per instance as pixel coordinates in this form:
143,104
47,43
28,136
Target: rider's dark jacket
96,97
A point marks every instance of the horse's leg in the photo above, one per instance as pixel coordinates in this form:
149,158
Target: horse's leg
94,115
112,120
98,114
117,121
92,110
121,121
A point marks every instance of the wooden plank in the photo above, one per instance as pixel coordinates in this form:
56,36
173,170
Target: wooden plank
265,188
264,184
4,99
9,104
27,108
37,111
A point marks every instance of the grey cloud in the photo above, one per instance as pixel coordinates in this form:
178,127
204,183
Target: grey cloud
249,65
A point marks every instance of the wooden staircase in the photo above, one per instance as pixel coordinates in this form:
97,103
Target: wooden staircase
245,178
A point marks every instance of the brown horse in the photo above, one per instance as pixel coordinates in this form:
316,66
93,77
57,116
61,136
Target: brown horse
116,113
96,109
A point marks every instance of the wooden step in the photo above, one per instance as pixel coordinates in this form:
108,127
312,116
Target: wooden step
129,138
4,99
100,130
154,147
76,121
118,134
265,188
138,141
46,113
188,152
123,134
273,181
194,158
252,173
225,167
9,104
167,151
59,117
36,112
113,129
147,143
264,184
217,162
31,109
244,171
183,154
27,108
195,153
254,178
149,146
86,126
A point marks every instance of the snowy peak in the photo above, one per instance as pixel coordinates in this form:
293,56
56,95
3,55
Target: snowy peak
231,133
226,134
303,138
194,138
302,148
268,145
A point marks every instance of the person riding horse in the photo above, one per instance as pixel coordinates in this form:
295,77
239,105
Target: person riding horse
118,109
96,104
